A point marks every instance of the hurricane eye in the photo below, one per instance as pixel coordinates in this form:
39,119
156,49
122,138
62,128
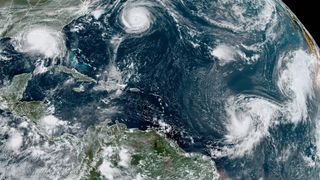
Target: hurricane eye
136,19
41,40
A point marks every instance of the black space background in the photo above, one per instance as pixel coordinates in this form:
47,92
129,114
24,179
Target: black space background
308,12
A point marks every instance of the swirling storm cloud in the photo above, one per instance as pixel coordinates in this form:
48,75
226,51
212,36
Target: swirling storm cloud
98,84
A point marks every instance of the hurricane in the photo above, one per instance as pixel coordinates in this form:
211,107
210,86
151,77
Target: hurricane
157,89
136,18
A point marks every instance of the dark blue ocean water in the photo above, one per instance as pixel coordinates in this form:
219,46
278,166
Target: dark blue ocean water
178,83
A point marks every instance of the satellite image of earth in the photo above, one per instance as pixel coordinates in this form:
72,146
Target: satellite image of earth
157,90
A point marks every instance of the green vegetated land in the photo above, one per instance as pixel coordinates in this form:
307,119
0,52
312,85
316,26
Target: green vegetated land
150,154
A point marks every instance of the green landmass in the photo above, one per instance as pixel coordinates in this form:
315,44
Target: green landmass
74,73
152,156
10,98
